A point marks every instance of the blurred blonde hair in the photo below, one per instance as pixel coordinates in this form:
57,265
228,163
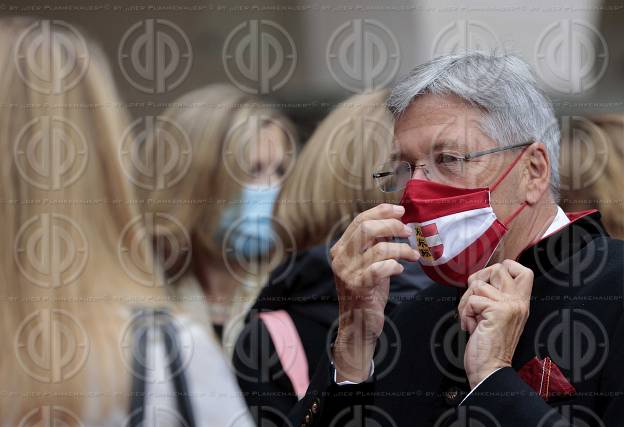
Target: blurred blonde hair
602,192
97,303
332,179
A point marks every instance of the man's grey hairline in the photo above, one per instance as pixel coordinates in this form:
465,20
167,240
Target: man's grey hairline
398,105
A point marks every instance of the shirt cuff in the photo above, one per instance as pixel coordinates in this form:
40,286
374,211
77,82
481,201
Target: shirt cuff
477,386
370,374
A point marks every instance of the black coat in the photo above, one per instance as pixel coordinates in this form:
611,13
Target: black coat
305,289
576,318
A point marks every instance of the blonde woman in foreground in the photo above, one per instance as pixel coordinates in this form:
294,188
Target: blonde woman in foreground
66,297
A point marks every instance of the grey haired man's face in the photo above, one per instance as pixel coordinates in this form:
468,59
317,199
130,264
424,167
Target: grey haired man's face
433,127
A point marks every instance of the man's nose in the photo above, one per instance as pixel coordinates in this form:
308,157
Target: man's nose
419,173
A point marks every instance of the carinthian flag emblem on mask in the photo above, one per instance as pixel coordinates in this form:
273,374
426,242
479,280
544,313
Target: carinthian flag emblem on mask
428,241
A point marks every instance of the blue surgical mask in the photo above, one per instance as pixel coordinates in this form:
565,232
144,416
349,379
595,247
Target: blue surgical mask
247,226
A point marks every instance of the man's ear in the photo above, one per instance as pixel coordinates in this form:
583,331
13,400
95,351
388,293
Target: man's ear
537,172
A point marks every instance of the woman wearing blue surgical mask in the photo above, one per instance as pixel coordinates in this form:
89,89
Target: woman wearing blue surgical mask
252,237
217,158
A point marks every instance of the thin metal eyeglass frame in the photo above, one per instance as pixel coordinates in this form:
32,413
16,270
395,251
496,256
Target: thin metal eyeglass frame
466,157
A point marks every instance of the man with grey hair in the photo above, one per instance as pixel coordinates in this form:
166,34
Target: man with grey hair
477,148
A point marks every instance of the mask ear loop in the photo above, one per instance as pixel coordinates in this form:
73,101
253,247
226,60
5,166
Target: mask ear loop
523,205
504,175
513,216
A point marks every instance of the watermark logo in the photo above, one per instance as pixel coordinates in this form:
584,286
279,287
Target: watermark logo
571,56
51,250
556,260
363,54
388,350
575,340
259,140
257,363
155,55
158,234
584,154
464,36
265,416
156,329
50,416
155,153
51,345
363,415
259,56
153,415
371,137
249,254
50,153
448,345
473,416
51,56
573,415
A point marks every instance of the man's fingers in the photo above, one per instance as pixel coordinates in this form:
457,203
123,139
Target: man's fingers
474,306
492,275
390,250
380,270
382,211
522,276
468,324
372,230
463,300
481,275
501,279
476,288
504,276
514,268
481,288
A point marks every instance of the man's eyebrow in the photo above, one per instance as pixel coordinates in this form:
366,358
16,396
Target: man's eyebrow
438,145
448,144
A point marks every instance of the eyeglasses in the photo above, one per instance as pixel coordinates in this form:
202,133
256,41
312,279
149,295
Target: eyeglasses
394,175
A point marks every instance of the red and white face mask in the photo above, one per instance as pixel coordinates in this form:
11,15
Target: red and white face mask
455,229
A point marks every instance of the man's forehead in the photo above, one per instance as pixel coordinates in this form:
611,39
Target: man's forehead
436,122
435,110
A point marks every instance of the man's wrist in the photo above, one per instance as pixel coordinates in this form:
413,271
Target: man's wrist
347,382
477,386
477,377
352,362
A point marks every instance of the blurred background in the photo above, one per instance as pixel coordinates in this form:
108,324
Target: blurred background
308,55
197,119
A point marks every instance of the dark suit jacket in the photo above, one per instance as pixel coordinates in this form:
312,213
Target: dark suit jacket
576,318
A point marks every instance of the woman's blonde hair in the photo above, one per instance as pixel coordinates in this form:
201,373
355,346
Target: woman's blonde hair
332,179
591,170
65,206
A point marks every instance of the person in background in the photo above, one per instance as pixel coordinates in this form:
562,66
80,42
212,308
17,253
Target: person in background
597,161
290,324
67,301
239,151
